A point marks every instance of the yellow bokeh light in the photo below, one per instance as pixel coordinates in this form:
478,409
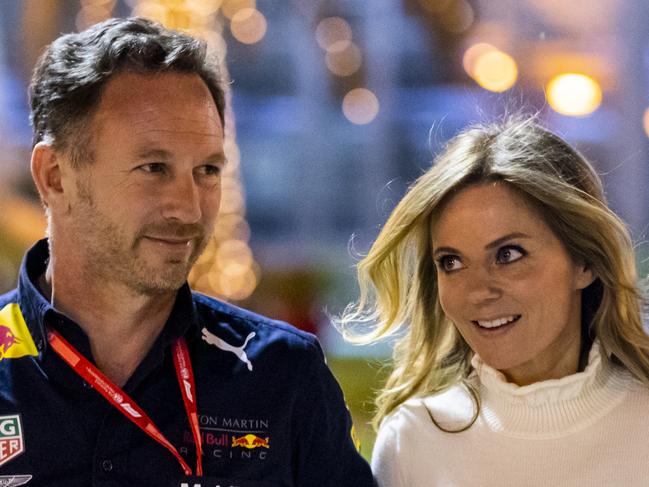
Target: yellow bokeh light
333,33
152,10
231,7
360,106
248,26
237,285
645,121
574,94
495,71
204,7
344,62
473,53
233,251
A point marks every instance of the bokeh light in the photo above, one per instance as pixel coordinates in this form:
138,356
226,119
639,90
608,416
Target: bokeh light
645,121
231,7
152,10
344,62
333,33
248,26
204,7
360,106
495,71
574,94
473,53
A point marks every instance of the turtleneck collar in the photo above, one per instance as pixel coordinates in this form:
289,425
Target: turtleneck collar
552,408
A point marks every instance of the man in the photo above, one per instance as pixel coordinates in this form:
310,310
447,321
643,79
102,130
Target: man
112,372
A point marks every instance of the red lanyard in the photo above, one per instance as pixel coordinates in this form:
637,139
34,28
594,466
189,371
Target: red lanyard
120,400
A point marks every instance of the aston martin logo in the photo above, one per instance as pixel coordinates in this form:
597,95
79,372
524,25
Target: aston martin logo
14,480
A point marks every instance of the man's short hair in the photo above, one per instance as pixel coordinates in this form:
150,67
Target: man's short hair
71,74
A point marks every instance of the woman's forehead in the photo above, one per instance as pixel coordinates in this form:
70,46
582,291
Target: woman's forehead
486,211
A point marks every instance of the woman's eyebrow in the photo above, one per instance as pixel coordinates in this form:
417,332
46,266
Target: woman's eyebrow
504,239
491,245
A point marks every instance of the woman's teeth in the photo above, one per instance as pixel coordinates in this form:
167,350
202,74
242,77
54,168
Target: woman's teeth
497,322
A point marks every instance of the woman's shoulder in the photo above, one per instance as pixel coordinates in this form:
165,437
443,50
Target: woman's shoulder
452,409
409,444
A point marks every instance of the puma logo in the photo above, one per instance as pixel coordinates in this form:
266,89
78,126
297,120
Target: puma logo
238,351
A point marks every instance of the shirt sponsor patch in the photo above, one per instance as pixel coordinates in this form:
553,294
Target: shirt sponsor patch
15,340
11,439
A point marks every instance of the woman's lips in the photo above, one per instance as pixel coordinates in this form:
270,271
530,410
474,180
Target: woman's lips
497,323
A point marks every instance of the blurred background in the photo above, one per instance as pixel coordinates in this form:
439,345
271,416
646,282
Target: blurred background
336,106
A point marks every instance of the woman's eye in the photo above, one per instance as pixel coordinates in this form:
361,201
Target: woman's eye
449,263
509,254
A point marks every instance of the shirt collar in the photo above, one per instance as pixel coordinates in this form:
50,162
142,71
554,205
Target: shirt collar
38,311
33,304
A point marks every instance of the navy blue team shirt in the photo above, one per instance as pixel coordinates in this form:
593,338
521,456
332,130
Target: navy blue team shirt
272,417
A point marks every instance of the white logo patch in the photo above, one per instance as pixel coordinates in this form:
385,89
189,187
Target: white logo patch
11,438
238,351
14,480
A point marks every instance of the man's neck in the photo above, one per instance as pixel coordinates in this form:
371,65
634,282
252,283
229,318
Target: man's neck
121,325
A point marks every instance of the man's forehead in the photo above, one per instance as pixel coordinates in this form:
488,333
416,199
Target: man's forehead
134,92
144,103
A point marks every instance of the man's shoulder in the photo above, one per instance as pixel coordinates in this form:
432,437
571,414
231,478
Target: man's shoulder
230,321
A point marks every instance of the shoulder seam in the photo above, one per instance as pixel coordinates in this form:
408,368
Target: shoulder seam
308,339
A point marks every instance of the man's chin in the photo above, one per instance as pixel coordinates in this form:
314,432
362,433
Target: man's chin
160,281
152,287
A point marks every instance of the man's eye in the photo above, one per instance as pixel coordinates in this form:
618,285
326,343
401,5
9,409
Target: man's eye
210,170
153,167
509,254
449,263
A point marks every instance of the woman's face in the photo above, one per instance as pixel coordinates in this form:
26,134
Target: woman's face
508,283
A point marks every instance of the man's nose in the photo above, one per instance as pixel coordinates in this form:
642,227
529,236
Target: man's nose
182,200
483,287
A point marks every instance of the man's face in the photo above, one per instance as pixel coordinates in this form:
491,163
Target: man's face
145,206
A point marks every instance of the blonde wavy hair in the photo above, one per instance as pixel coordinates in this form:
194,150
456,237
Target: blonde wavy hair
398,278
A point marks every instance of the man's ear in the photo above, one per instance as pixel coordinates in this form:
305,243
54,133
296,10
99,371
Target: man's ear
585,276
47,173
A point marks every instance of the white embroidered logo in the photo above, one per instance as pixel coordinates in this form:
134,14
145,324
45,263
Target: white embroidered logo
14,480
238,351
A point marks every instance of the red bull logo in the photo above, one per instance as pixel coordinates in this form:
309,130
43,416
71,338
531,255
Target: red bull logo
250,442
15,340
7,340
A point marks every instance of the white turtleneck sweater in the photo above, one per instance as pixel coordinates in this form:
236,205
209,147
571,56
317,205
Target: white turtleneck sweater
590,429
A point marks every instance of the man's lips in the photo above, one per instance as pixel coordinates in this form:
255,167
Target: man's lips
172,240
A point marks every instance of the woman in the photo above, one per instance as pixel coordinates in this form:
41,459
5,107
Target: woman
521,358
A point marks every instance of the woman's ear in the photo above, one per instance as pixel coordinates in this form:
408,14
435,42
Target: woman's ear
585,276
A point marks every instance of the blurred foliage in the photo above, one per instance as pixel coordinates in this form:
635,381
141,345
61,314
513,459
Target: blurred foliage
360,379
